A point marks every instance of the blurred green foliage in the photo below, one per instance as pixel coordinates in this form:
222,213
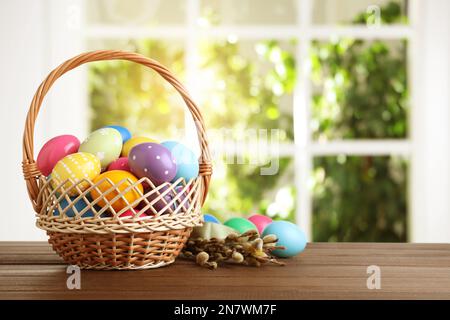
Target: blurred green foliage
359,91
392,12
360,199
245,91
255,77
254,80
128,94
361,87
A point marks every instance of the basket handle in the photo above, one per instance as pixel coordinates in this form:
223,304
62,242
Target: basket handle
31,172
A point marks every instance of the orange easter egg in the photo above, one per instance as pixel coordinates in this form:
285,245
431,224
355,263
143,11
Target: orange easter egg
122,180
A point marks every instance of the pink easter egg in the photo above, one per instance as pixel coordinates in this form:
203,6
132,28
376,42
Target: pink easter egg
119,164
130,214
54,150
260,221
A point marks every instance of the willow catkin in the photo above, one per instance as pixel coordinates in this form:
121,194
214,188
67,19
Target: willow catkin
246,249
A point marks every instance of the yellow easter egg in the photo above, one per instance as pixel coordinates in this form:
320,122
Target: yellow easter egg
122,180
127,146
76,167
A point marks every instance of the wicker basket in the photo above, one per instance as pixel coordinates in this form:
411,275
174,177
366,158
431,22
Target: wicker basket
104,240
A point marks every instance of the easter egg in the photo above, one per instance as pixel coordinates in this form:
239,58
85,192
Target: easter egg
54,150
179,197
121,180
210,218
158,199
134,141
163,199
260,221
119,164
130,214
105,144
289,235
187,161
124,132
240,224
153,161
78,208
76,167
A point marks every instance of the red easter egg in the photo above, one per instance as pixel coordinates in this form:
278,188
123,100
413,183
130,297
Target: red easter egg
54,150
130,214
119,164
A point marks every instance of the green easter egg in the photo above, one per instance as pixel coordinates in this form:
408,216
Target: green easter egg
240,224
105,144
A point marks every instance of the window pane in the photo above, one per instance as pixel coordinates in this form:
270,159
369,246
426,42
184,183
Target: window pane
240,189
360,89
360,199
247,84
129,94
248,12
136,12
359,11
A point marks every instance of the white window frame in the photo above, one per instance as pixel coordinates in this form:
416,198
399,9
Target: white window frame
420,30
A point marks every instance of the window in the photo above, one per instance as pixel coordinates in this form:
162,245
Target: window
332,76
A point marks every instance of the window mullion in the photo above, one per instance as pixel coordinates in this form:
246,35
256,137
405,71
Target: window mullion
302,134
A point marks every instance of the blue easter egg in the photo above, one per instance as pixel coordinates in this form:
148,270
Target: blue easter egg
187,161
210,218
79,206
124,132
289,236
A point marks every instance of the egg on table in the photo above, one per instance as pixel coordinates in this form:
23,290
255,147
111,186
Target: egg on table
187,161
260,221
289,235
111,184
54,150
132,142
153,161
124,132
240,224
105,144
119,164
79,168
210,218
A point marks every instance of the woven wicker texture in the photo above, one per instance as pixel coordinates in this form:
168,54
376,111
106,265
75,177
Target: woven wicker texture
90,232
120,252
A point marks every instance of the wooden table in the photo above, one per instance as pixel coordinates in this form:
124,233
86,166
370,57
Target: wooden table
30,270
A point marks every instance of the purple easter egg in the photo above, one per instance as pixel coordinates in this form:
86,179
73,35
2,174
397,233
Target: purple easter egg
153,161
168,197
160,204
179,190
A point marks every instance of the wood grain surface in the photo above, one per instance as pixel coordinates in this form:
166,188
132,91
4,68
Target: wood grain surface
30,270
